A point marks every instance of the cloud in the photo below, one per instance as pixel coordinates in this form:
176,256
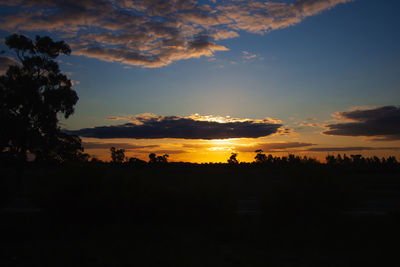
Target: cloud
224,34
380,123
282,147
309,124
5,62
154,33
265,16
272,147
136,148
348,149
165,151
100,145
247,55
151,127
196,146
137,119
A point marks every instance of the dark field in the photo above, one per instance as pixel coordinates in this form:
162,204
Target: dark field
200,215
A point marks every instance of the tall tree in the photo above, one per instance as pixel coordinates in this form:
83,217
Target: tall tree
33,93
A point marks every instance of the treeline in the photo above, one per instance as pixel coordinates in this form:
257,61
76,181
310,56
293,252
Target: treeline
362,162
261,160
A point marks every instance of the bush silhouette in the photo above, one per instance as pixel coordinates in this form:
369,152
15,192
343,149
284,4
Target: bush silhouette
154,159
233,159
117,155
260,157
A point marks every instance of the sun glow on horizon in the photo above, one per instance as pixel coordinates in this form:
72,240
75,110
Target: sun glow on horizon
219,150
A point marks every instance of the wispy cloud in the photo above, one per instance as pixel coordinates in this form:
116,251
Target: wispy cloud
247,55
349,149
272,147
154,33
380,123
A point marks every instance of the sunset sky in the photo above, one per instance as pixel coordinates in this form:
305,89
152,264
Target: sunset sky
199,80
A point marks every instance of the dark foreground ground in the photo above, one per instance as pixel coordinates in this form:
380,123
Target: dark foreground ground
200,216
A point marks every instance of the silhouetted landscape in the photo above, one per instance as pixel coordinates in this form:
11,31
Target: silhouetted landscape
287,211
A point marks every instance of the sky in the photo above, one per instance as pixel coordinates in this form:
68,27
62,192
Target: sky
199,80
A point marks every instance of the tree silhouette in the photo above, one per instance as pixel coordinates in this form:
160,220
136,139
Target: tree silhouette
233,159
33,94
260,157
133,162
163,159
117,155
154,159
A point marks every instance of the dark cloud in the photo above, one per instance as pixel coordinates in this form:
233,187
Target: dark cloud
164,151
284,145
138,149
272,147
154,33
182,127
99,145
381,124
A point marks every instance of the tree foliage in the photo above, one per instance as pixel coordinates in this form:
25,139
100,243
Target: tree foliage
260,157
33,93
154,159
233,159
117,155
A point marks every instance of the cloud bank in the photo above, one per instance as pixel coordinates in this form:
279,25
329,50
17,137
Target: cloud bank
380,124
126,146
349,149
153,33
272,147
149,126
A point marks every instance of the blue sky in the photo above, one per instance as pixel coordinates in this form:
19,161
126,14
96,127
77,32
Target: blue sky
340,56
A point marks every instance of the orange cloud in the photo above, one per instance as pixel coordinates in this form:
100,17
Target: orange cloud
153,33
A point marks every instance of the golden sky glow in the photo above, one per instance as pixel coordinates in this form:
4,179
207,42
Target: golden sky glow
219,150
303,138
